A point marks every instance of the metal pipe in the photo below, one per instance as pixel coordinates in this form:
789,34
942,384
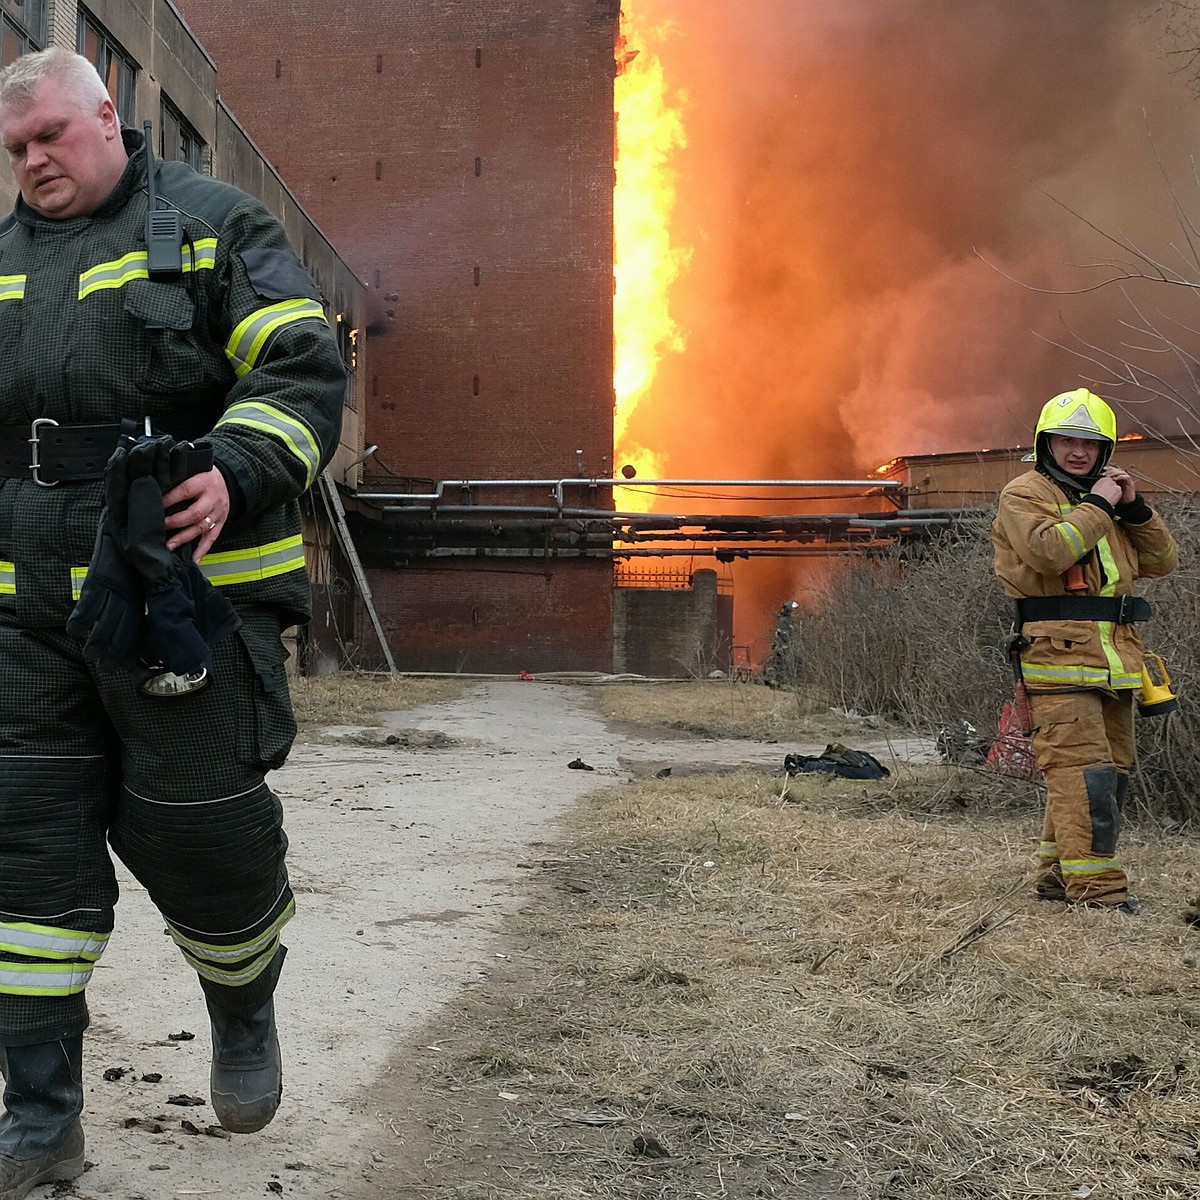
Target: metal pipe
559,484
602,514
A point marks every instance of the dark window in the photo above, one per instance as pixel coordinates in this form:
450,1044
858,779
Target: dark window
24,27
177,139
116,68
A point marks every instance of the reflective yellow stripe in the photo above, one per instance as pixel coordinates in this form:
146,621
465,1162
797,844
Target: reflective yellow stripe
44,979
247,340
12,287
46,941
1073,538
290,430
115,274
212,952
224,567
135,265
233,978
1079,676
254,563
1090,866
203,255
1048,850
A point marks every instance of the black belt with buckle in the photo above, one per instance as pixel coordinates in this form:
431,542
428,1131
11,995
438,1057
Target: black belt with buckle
1124,610
50,453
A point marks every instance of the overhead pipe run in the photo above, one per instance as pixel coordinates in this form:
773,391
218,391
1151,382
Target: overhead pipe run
449,521
400,500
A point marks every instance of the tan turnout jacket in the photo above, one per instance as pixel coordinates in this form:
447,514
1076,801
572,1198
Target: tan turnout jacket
1039,531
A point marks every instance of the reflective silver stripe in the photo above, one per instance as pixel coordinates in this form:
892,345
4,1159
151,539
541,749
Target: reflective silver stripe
290,430
44,979
246,342
8,579
12,287
45,941
225,953
258,562
135,265
78,575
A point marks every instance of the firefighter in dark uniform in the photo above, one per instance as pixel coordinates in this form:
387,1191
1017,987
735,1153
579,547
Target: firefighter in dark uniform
1071,539
226,351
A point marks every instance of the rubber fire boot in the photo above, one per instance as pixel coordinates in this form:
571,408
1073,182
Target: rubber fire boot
247,1070
41,1138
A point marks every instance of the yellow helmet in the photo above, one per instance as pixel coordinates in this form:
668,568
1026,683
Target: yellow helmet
1080,414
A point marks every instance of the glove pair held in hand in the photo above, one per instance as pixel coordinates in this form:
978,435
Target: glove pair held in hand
142,605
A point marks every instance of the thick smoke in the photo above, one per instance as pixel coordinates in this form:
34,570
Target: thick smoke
874,192
878,196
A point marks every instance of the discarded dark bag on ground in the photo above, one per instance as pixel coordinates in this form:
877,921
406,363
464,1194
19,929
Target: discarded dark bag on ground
837,760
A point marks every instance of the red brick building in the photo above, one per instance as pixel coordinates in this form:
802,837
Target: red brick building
460,156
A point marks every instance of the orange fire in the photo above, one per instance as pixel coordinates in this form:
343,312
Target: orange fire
649,133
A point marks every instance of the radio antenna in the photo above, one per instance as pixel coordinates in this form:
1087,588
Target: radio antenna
164,227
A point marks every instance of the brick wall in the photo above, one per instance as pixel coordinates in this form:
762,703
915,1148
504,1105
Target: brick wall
507,616
460,157
673,633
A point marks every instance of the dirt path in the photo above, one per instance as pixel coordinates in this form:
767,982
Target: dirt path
405,857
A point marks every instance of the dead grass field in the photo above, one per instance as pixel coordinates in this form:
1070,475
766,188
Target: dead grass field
725,989
349,698
723,709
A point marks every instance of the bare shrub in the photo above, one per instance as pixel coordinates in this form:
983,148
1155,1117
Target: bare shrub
1169,747
913,635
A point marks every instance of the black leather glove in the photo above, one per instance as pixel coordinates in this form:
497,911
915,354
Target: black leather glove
108,615
142,603
135,478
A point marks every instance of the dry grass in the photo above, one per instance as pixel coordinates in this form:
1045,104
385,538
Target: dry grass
353,698
844,991
727,709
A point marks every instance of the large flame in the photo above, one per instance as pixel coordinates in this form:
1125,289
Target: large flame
650,131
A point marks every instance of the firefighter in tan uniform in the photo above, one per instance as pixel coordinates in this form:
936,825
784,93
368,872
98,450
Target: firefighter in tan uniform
1071,538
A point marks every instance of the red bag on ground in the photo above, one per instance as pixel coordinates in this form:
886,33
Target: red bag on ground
1011,750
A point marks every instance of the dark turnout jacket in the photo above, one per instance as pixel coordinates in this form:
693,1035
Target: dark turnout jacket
234,352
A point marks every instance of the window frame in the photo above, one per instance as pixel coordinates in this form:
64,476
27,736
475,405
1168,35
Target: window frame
109,53
15,23
170,115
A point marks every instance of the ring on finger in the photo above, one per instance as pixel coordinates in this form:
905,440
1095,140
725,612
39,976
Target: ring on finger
209,522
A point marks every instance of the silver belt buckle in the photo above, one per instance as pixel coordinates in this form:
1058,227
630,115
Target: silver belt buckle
34,461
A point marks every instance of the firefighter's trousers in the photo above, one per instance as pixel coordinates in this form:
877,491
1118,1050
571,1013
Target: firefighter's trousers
177,788
1085,748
